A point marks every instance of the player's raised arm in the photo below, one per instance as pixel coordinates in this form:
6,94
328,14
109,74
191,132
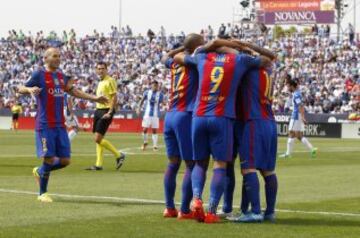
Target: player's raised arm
256,48
171,54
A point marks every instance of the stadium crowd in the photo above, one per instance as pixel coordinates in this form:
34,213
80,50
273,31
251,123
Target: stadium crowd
328,70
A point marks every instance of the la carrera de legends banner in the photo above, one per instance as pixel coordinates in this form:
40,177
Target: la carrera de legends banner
282,12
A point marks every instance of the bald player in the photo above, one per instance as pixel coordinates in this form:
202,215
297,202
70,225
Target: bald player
48,85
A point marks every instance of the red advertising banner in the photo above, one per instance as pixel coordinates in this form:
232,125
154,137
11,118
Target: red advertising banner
117,125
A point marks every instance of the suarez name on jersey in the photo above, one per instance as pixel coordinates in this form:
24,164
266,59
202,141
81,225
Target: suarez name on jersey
219,78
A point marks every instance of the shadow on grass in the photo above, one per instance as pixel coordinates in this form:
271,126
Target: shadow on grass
324,221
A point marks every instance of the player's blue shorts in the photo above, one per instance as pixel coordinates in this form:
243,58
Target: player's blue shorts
258,145
213,136
52,142
177,135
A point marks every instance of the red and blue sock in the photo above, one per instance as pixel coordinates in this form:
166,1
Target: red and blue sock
216,188
253,191
44,172
229,188
187,193
198,177
244,206
271,186
170,183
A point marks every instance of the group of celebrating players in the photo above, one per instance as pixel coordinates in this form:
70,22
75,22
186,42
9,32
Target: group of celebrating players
220,107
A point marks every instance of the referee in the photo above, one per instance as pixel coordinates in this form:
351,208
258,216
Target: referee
103,117
16,110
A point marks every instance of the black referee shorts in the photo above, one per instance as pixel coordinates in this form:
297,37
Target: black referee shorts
101,125
15,116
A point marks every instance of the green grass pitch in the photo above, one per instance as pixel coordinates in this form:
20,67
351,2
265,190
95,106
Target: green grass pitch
317,197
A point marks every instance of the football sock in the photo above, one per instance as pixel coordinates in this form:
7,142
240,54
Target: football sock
16,125
154,139
290,145
170,184
187,193
306,143
229,188
253,191
44,172
99,156
244,206
271,186
145,137
198,177
107,145
72,134
216,188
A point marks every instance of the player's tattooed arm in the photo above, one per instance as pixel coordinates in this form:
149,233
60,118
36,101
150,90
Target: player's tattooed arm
70,89
218,43
34,91
172,53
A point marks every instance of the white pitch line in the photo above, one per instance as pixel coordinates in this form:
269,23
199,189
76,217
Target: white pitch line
160,202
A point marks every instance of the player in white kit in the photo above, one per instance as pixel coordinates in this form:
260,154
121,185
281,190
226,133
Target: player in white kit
297,121
153,98
71,120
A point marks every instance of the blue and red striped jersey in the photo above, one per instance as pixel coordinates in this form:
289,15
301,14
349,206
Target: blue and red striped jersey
219,78
254,100
50,101
184,83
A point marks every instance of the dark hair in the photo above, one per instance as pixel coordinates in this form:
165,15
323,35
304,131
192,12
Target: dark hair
155,82
292,82
102,63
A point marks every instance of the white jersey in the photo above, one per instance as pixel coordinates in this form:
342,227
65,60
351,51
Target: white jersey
152,103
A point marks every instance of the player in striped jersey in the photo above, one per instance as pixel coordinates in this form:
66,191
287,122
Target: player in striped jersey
71,120
177,129
153,99
52,143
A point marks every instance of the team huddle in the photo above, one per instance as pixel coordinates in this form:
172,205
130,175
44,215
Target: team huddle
220,107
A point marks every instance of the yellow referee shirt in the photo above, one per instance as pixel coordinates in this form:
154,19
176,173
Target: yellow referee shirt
107,87
16,109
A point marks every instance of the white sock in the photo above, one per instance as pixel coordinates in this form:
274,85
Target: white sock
290,145
72,134
307,143
145,137
154,139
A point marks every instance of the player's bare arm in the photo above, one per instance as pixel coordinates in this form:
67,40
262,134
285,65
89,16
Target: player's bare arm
140,106
172,53
34,91
70,89
256,48
302,113
216,44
